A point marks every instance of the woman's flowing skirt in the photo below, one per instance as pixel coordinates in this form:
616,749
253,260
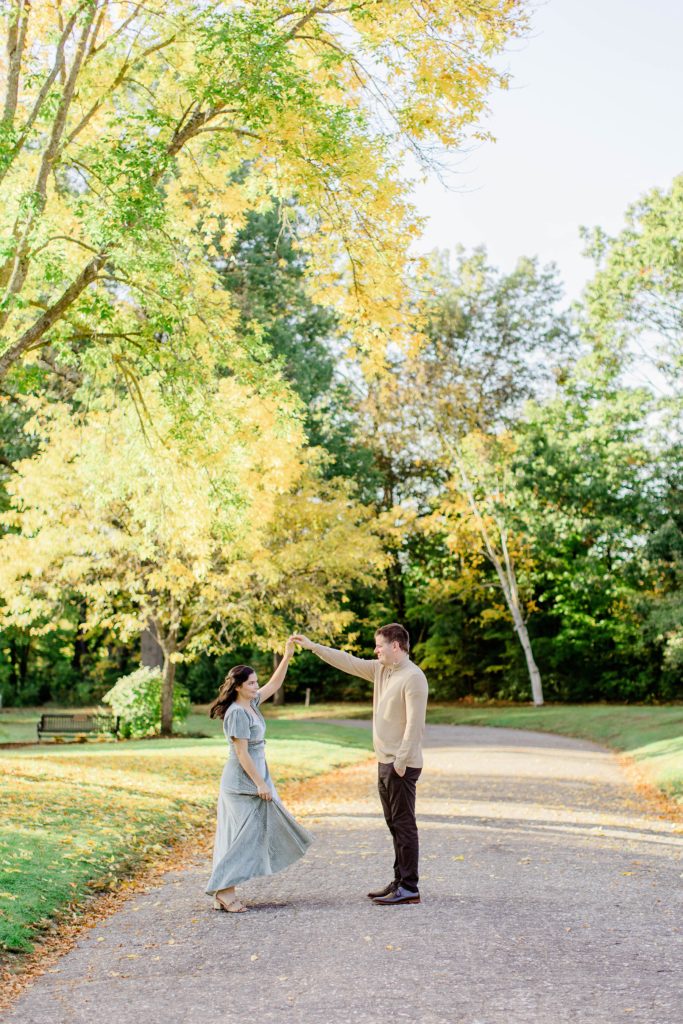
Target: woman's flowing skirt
254,837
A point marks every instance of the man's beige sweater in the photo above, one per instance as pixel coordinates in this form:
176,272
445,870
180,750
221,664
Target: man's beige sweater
399,703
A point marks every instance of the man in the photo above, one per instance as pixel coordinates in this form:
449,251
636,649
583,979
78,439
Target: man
399,703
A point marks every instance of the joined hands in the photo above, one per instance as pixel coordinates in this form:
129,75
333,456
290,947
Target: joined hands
301,640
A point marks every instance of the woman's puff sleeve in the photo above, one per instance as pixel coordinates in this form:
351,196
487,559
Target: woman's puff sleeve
236,723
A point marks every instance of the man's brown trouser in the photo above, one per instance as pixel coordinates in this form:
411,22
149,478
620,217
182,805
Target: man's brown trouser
398,803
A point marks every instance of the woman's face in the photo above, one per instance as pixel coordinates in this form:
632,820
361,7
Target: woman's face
249,688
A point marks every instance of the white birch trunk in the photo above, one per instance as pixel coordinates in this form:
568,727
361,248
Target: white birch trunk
508,583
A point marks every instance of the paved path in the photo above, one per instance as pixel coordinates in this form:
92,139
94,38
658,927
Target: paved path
550,895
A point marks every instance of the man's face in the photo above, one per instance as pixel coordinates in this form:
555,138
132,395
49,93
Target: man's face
387,652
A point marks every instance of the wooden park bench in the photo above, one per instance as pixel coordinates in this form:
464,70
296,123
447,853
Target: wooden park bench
76,725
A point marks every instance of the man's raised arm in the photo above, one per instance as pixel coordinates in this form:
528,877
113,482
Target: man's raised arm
361,667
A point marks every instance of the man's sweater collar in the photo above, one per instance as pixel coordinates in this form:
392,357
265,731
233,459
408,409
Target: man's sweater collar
399,665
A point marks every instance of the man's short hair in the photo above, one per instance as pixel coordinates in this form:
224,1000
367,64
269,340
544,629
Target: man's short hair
394,631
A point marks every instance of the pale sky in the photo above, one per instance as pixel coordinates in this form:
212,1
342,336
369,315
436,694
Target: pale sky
592,120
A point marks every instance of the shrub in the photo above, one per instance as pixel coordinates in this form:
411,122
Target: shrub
136,699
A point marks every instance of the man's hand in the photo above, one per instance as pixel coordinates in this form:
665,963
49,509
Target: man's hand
302,641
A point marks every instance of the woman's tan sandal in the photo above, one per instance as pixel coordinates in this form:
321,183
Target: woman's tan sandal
233,906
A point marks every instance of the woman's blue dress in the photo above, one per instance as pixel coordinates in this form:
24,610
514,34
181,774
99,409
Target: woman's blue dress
253,836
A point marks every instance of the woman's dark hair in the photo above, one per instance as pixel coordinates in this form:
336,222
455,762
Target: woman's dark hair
227,694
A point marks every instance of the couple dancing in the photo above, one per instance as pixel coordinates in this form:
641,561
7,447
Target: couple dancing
255,835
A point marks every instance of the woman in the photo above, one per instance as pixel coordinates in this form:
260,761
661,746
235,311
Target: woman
255,835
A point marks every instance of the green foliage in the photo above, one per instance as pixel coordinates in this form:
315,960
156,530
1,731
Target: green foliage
493,339
637,291
136,699
593,487
267,273
114,177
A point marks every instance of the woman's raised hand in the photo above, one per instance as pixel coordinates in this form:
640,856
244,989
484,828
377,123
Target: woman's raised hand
301,640
289,647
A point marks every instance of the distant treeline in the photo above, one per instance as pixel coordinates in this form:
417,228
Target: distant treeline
508,429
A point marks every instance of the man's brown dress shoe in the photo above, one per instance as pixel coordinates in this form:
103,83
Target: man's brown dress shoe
392,887
399,895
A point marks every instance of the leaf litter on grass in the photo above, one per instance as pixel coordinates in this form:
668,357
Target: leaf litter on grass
81,820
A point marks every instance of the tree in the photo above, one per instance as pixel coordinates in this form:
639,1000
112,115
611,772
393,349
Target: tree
183,541
126,129
489,342
493,339
476,513
266,272
634,302
589,494
633,318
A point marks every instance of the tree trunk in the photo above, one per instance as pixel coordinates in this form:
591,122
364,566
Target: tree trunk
19,655
534,674
396,587
167,692
508,583
80,642
279,695
151,654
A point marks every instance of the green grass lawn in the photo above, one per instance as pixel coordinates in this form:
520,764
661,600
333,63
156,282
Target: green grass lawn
80,817
652,734
18,725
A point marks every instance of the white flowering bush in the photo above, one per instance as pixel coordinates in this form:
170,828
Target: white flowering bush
136,699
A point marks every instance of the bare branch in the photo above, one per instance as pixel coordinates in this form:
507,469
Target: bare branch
38,329
94,50
66,238
305,20
16,40
96,31
63,109
57,66
19,264
192,127
229,128
194,629
48,360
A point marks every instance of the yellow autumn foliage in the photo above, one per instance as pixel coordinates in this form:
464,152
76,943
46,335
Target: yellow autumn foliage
133,136
226,534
